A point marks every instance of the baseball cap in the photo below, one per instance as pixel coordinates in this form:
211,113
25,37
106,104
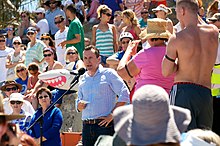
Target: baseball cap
40,10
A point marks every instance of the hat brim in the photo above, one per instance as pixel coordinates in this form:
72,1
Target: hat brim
3,88
129,130
11,117
145,35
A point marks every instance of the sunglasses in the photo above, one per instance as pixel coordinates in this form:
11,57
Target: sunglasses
38,13
16,43
45,39
20,70
53,3
11,89
30,33
58,22
125,42
17,102
144,12
71,53
41,97
2,40
9,29
47,55
23,16
108,14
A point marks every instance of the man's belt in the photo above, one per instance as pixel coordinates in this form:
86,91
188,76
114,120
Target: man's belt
92,121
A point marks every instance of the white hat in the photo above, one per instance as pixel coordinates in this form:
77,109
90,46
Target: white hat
40,10
16,97
162,7
17,38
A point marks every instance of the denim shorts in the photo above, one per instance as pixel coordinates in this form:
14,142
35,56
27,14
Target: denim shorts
103,59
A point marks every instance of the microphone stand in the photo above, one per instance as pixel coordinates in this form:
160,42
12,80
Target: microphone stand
40,118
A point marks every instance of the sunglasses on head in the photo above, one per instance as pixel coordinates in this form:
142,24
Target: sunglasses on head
144,12
47,55
17,102
20,70
58,22
11,89
108,14
71,53
44,39
41,97
16,43
125,42
30,33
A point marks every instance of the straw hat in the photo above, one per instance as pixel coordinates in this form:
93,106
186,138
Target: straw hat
156,28
6,116
8,83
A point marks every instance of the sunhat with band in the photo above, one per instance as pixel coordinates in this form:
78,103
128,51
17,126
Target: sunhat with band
156,28
150,119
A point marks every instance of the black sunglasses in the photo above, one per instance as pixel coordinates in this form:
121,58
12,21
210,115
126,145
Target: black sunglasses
11,89
2,40
41,97
44,39
30,33
17,102
144,12
38,13
45,55
16,43
125,42
53,3
71,53
108,14
20,70
58,22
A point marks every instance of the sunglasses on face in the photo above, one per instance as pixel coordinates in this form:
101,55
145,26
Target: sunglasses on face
30,33
41,97
45,39
23,16
108,14
53,3
71,53
11,89
58,22
2,40
47,55
16,43
125,42
144,12
38,13
20,70
17,102
9,29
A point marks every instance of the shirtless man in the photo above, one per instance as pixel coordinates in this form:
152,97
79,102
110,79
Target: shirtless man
191,55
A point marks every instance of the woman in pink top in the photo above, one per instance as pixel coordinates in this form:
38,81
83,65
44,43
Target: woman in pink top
145,66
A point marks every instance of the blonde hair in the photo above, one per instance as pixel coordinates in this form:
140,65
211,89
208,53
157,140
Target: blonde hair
131,16
20,65
72,48
102,9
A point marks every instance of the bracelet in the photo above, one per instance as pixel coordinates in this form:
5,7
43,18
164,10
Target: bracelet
126,67
170,59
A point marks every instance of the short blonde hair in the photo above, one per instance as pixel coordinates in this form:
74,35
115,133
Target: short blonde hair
102,9
20,65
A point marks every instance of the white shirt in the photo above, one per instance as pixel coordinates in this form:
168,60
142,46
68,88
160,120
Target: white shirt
60,37
27,107
44,27
3,59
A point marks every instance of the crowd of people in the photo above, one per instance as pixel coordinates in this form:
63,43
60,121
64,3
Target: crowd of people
146,81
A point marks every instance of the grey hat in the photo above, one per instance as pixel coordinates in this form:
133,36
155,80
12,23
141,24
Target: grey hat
150,119
31,29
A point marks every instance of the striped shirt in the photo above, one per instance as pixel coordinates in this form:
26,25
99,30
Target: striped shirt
104,42
35,51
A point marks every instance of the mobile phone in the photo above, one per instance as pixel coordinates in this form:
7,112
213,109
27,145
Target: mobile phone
139,47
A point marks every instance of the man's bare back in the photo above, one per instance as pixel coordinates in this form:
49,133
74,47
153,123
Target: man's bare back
196,49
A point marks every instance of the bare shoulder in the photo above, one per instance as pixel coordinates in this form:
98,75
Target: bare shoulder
58,65
95,27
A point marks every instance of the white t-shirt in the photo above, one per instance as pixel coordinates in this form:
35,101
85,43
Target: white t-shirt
78,6
60,37
3,59
44,27
27,107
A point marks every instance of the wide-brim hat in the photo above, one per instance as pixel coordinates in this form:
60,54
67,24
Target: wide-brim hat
215,17
150,119
8,83
157,28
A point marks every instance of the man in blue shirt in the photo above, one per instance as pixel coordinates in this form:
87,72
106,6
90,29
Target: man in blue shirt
100,91
144,17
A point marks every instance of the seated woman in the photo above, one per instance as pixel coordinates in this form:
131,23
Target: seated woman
72,59
22,74
145,66
16,101
52,120
34,71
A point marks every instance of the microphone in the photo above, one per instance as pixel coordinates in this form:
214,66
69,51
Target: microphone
81,71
